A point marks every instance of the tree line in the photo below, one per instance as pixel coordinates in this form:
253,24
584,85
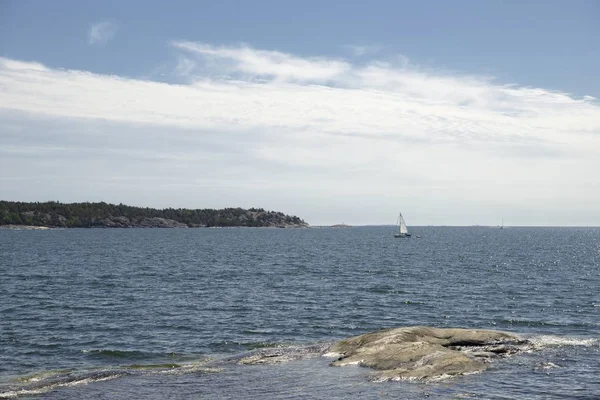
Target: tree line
85,215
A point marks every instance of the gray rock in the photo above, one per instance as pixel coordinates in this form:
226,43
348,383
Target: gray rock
422,353
279,355
154,222
157,222
116,222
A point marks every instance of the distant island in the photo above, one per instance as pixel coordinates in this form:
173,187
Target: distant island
103,215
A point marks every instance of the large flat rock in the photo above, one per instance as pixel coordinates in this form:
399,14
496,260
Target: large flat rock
423,353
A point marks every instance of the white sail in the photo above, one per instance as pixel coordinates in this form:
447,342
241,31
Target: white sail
403,228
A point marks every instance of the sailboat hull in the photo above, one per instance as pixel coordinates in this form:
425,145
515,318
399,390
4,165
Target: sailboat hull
401,235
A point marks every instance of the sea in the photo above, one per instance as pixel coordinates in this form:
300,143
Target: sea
168,313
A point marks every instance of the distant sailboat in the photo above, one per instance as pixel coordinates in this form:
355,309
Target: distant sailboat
402,229
502,226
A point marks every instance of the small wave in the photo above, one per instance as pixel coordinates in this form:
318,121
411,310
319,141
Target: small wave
257,331
263,345
173,369
526,322
191,368
276,355
43,375
153,366
546,366
432,379
121,354
53,381
557,341
47,381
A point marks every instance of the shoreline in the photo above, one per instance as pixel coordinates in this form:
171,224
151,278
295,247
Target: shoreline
26,227
44,228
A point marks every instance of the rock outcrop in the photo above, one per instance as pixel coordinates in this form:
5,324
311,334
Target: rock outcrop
422,353
148,222
157,222
116,222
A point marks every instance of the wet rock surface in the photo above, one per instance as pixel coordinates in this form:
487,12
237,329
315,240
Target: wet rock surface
276,355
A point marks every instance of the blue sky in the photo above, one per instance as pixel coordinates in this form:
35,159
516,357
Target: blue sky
550,44
454,112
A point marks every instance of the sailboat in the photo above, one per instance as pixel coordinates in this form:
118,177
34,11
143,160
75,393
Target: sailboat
402,229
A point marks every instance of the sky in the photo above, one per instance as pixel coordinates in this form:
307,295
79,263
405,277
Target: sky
454,113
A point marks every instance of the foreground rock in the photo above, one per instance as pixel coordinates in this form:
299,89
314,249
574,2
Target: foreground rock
422,353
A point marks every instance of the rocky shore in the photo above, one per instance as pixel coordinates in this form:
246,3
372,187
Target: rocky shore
409,353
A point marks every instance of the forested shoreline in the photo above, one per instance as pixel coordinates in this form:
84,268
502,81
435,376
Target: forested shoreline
104,215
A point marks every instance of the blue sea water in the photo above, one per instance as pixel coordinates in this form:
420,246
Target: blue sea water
155,314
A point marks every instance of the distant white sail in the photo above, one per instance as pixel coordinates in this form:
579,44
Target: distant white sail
403,228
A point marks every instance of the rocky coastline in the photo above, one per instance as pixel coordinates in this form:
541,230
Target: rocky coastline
102,215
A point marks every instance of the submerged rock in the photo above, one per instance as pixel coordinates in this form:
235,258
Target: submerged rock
423,353
280,354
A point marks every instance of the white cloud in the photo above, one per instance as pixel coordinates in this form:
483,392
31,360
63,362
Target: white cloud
307,135
266,64
102,32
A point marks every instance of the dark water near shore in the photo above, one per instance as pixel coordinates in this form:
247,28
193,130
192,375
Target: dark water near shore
154,314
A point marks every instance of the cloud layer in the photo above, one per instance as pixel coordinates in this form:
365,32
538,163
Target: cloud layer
321,137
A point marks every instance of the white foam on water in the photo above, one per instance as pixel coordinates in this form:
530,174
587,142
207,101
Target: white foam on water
46,381
188,369
52,386
547,365
44,375
85,381
440,378
436,378
398,379
344,363
556,341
